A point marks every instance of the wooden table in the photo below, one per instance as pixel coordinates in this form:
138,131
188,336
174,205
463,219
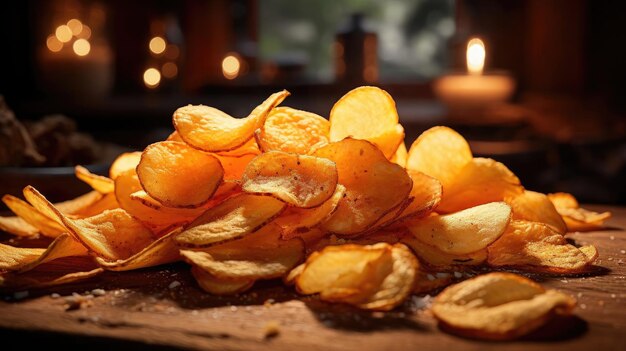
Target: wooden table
144,310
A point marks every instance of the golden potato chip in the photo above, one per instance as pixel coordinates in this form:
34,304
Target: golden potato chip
124,162
296,220
44,224
433,257
290,130
174,136
177,175
374,185
210,129
401,155
102,184
23,259
538,247
249,148
426,194
367,113
396,286
17,226
234,166
441,153
85,203
577,218
481,181
161,251
113,234
149,211
536,207
217,286
261,255
463,232
299,180
235,217
290,278
498,306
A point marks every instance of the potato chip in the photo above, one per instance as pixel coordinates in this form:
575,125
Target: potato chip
217,286
23,259
401,155
498,306
87,204
17,226
290,130
396,286
178,175
249,148
161,251
61,271
296,220
481,181
463,232
299,180
374,186
210,129
113,234
235,217
536,207
290,278
426,194
577,218
234,166
538,247
261,255
102,184
44,224
124,162
441,153
367,113
433,257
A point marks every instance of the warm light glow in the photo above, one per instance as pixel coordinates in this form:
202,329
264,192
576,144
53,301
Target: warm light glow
231,66
75,25
152,77
170,70
85,32
81,47
475,56
63,33
54,44
157,45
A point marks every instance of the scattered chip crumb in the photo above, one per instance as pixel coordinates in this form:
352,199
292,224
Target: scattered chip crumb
583,306
55,295
77,301
233,308
622,251
98,292
612,237
613,296
430,277
271,329
18,295
268,302
579,295
175,284
458,275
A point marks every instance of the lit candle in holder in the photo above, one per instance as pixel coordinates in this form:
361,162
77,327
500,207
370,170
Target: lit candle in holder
475,89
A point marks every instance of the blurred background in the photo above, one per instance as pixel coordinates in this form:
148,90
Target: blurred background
89,79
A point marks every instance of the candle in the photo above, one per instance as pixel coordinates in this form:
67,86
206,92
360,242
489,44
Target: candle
474,89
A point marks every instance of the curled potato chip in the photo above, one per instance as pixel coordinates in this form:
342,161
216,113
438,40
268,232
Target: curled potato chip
124,162
401,155
498,306
536,207
300,180
374,185
113,234
177,175
87,204
17,226
102,184
161,251
463,232
210,129
296,220
377,108
290,278
25,259
441,153
426,194
216,286
481,181
290,130
261,255
538,247
577,218
433,257
235,217
28,213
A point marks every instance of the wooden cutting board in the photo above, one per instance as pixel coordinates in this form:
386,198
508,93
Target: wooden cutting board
162,308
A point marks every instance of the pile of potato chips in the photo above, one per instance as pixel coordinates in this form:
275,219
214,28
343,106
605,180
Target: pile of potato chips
337,207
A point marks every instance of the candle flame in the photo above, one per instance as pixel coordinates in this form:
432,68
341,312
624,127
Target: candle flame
231,66
475,56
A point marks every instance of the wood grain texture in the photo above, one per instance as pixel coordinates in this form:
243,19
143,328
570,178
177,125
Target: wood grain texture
140,311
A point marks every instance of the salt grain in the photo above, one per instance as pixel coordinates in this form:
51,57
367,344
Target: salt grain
442,275
458,275
98,292
430,277
613,296
175,284
583,306
55,295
